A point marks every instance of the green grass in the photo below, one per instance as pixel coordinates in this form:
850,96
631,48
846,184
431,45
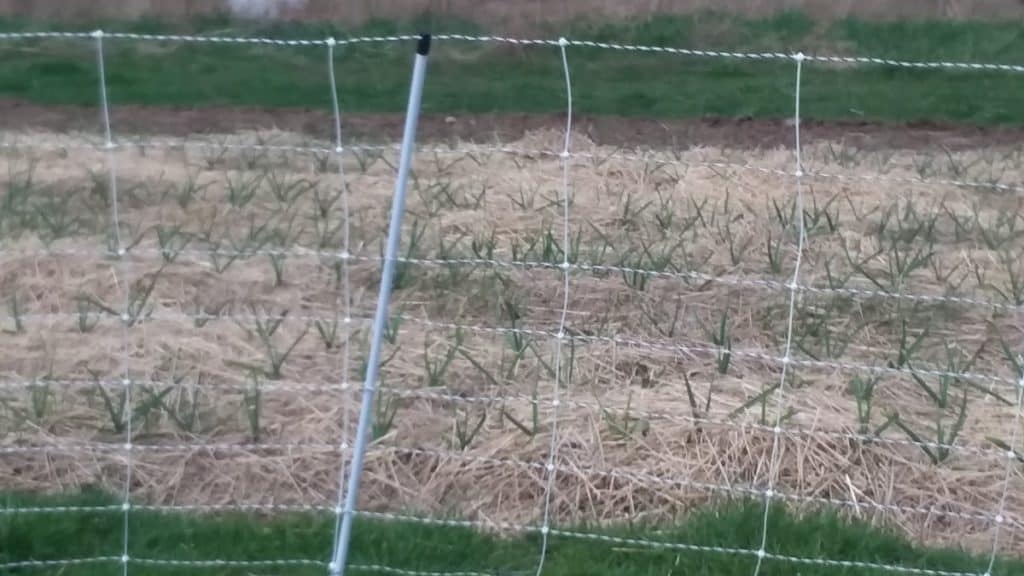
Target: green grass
471,77
415,546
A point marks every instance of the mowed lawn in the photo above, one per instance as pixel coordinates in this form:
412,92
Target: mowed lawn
474,77
796,544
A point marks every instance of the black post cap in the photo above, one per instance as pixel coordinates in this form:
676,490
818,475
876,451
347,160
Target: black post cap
423,47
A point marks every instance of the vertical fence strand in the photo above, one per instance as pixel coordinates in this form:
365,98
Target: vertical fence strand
119,254
793,294
346,287
551,468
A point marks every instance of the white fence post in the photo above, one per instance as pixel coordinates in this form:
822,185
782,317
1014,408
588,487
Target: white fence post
343,535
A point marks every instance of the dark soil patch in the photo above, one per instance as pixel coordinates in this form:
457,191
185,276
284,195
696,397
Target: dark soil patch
489,128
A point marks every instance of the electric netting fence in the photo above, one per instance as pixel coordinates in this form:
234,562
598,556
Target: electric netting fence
565,335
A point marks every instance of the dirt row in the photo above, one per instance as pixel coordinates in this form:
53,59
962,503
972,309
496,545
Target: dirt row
603,130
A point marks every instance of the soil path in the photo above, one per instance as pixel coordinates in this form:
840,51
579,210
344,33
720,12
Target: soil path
611,131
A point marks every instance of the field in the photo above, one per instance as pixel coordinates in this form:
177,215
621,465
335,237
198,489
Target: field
215,313
524,17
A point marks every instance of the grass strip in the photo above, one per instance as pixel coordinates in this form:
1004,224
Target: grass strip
182,537
495,78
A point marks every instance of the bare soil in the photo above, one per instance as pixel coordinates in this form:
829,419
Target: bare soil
490,128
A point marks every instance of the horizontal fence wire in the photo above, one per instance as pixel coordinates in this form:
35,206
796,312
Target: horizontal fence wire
257,564
307,562
717,54
63,563
596,269
791,430
466,148
921,369
403,572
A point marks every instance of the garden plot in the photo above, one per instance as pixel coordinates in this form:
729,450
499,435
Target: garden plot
216,313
